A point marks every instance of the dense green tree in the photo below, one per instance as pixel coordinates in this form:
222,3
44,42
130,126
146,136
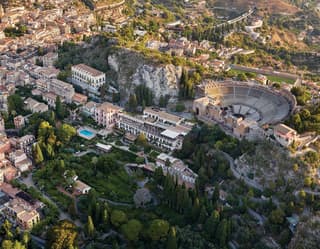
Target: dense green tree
189,238
186,85
5,230
222,233
15,104
158,229
65,133
141,140
8,244
118,218
211,225
277,216
132,229
180,107
144,95
62,236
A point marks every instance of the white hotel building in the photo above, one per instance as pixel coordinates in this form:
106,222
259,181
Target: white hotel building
161,129
88,78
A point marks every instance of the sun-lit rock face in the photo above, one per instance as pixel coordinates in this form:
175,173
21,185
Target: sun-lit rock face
132,70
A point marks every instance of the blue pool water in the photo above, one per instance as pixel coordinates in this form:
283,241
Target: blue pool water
86,133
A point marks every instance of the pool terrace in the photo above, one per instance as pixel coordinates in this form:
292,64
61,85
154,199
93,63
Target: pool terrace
86,133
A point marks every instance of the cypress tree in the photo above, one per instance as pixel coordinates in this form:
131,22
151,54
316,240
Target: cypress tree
172,239
105,215
222,233
90,227
216,193
97,214
196,210
37,154
203,215
132,104
59,108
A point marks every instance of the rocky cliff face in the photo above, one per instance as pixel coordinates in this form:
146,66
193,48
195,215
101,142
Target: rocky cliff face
131,70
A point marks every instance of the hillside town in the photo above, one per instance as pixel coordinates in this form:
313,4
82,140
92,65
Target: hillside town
182,124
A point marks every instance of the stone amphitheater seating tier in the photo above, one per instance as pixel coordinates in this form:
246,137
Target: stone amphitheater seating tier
227,90
255,93
253,101
241,91
236,108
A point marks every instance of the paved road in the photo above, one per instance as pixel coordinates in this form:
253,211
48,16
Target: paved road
80,154
41,243
265,71
260,218
116,203
308,191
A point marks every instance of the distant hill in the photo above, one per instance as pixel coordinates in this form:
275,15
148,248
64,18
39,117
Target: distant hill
271,6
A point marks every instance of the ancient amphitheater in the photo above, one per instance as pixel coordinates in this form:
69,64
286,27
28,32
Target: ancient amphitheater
253,101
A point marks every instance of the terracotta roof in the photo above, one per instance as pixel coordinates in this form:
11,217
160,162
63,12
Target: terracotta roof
8,189
81,186
26,216
284,129
89,70
108,107
163,115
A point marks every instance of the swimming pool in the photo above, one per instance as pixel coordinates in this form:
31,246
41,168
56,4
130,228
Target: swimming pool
85,133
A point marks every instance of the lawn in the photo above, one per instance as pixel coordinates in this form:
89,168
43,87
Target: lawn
280,79
272,78
116,185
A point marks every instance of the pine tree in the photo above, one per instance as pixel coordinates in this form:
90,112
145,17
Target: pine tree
172,239
90,227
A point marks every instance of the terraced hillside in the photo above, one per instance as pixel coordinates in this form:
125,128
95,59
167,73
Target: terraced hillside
272,6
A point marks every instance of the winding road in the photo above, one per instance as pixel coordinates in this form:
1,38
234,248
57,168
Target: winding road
238,175
28,181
